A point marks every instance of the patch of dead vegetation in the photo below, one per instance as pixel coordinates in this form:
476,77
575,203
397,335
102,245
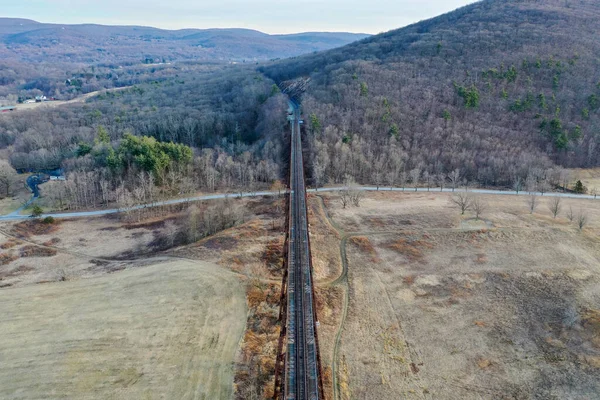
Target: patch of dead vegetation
10,243
150,224
273,255
325,243
412,248
484,363
481,259
219,243
52,242
7,258
365,245
590,319
328,304
255,369
20,270
26,229
36,251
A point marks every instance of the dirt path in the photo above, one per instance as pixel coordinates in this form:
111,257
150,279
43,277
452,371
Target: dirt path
342,281
57,103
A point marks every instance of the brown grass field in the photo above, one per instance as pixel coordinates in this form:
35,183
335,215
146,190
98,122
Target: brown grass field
443,306
91,310
429,305
170,330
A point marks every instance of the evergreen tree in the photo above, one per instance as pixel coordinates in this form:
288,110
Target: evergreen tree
579,188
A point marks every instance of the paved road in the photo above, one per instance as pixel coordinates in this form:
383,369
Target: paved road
14,216
57,103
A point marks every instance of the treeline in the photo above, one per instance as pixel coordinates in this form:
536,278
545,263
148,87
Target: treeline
88,186
498,90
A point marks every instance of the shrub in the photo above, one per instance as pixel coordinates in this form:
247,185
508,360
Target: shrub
37,211
48,220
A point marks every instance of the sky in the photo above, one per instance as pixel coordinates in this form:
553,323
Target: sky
270,16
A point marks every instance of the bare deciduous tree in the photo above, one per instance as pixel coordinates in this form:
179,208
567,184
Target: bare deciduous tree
555,206
463,201
346,192
390,178
441,178
356,196
532,203
318,173
278,187
7,179
403,179
345,197
582,220
479,206
170,231
193,219
544,186
454,178
571,214
429,178
565,179
518,184
378,172
531,183
415,176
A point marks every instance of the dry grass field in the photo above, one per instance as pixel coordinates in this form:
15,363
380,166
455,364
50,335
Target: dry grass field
33,253
589,177
91,309
444,306
167,331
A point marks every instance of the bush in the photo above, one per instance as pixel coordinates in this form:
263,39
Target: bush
48,220
37,211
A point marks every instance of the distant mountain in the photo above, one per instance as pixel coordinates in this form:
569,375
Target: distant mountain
500,89
39,42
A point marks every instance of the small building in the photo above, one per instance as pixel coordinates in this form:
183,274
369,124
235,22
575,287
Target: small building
8,108
39,99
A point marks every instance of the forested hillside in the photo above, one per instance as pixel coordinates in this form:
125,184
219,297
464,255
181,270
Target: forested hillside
197,131
499,90
89,43
63,61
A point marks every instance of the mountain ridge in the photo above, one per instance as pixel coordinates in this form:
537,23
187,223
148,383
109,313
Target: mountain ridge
17,36
498,89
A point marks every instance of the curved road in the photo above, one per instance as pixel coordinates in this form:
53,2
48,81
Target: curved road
15,215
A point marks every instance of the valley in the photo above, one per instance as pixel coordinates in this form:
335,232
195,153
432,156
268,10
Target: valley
230,214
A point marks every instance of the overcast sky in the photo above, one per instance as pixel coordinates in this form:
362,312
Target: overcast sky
271,16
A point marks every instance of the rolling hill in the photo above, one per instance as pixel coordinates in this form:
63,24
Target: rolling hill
39,42
500,90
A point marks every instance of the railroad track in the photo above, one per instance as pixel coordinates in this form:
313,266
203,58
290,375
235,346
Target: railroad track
302,361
